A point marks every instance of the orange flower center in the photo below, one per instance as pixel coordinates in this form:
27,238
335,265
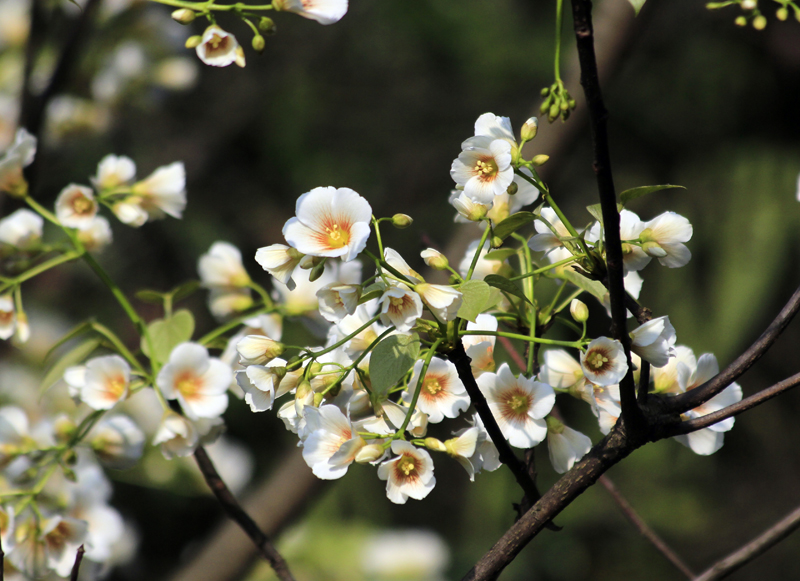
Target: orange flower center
407,466
485,168
189,384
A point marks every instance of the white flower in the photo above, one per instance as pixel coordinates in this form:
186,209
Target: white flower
468,210
442,394
495,127
654,341
410,474
280,261
302,297
394,416
96,235
519,405
19,155
480,348
130,212
102,382
8,317
257,349
117,441
336,301
222,266
323,11
630,228
114,171
197,381
393,259
219,48
504,205
405,555
565,445
443,301
263,383
663,238
484,169
332,442
562,371
463,447
604,361
331,222
434,259
164,191
22,229
546,240
484,267
76,207
62,536
400,307
179,436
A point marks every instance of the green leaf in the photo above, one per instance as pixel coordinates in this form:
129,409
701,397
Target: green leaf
593,287
150,296
634,193
77,331
166,334
475,294
72,357
637,5
390,361
596,211
373,294
505,285
184,290
500,254
511,224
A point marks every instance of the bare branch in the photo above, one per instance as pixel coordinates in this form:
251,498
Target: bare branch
644,529
758,546
461,360
737,408
76,568
703,393
235,512
584,34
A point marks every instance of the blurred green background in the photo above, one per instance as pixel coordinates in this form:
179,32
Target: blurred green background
380,102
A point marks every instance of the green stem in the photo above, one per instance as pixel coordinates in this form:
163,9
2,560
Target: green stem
557,66
206,6
120,347
232,324
261,291
478,252
39,269
527,338
380,263
420,382
372,321
574,233
378,235
549,267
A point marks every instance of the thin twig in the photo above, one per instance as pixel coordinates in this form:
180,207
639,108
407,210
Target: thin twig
584,34
753,549
76,568
461,360
737,408
644,529
237,513
702,393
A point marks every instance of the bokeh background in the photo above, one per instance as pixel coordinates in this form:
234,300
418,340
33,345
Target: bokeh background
380,102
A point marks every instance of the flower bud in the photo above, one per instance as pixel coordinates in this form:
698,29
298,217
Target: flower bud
194,41
434,259
782,13
497,242
258,43
267,25
516,154
579,311
554,425
308,261
512,188
369,453
760,22
748,4
434,444
402,221
740,21
184,16
540,159
554,112
545,91
529,129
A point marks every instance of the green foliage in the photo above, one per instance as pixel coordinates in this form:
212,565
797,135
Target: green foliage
72,357
634,193
476,295
505,285
167,333
513,223
390,361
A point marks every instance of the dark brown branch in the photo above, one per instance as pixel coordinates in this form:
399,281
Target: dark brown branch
644,529
236,513
737,408
701,394
584,34
461,360
753,549
76,568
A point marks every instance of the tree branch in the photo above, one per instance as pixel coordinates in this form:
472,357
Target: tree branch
461,360
584,35
76,567
753,549
701,394
644,529
737,408
236,513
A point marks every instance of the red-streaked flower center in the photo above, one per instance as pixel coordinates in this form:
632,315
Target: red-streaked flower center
485,168
515,403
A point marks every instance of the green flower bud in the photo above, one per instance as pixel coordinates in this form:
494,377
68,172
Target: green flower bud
402,221
267,25
512,188
258,43
434,444
579,311
554,425
740,21
193,41
553,113
184,15
760,22
497,242
540,159
544,92
529,129
782,13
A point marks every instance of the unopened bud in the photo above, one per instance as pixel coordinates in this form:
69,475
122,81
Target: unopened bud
267,25
782,13
434,444
402,221
579,311
512,188
435,259
540,159
369,453
544,92
749,4
553,113
258,43
554,425
529,129
318,397
184,15
573,103
303,389
308,262
516,154
194,41
760,22
740,21
497,242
